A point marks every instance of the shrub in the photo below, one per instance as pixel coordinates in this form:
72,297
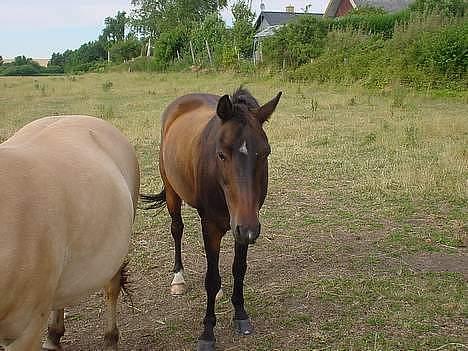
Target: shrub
214,31
423,53
22,70
449,8
146,64
444,51
52,70
373,23
169,44
125,50
296,43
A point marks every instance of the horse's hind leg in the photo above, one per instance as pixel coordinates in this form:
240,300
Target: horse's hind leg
55,330
112,290
173,201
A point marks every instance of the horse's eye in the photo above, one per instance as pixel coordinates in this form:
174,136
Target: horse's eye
221,156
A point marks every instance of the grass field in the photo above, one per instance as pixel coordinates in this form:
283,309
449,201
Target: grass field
364,228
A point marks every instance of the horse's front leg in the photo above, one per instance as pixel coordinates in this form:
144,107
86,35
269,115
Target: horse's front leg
212,239
242,322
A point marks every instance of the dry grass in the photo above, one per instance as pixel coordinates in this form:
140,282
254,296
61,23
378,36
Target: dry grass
361,185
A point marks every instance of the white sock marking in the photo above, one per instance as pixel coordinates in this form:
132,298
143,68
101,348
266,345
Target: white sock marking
178,278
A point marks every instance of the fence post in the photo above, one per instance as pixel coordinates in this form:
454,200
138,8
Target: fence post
191,50
209,53
148,51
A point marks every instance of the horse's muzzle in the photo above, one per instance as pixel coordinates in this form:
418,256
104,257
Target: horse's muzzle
246,234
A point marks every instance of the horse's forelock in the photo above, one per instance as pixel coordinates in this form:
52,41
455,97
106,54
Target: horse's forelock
243,97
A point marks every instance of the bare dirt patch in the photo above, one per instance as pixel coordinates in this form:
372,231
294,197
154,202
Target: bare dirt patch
440,262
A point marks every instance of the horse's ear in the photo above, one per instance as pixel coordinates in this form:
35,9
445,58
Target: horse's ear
224,108
264,112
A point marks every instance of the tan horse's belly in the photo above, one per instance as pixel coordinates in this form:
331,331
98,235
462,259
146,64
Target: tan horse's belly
99,251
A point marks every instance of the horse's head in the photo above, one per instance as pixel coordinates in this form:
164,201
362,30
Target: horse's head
242,151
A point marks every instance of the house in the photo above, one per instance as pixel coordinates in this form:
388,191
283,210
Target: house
268,21
337,8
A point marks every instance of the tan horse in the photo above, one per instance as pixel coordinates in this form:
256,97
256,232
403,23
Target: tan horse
68,192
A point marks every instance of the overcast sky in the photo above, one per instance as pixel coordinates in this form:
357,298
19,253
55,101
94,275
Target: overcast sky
37,28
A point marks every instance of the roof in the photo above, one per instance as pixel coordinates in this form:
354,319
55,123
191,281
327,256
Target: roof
277,18
267,32
387,5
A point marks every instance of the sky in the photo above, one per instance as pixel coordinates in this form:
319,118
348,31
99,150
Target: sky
38,28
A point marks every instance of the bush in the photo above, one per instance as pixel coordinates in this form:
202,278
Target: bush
214,31
169,44
348,56
146,64
444,51
372,23
52,70
22,70
449,8
125,50
296,43
424,53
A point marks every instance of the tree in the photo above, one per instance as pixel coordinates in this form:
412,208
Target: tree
153,17
114,30
212,30
1,60
57,59
125,50
22,60
243,30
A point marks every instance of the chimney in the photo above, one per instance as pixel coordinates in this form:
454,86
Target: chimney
262,6
290,9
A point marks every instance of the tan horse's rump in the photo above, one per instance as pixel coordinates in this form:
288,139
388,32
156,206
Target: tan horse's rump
68,192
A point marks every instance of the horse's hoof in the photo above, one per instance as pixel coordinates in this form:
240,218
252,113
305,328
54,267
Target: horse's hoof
243,326
178,289
50,346
206,345
219,295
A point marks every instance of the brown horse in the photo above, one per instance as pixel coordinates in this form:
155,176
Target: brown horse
213,156
68,192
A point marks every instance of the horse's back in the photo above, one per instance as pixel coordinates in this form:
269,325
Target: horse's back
78,137
199,105
183,123
69,186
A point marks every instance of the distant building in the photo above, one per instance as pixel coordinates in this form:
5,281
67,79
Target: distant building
268,21
41,61
337,8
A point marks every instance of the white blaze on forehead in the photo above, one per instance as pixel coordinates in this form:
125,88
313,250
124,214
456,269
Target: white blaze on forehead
243,148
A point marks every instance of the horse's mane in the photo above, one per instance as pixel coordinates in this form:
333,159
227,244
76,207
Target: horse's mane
242,97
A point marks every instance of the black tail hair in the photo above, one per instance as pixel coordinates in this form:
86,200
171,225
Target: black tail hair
155,200
125,284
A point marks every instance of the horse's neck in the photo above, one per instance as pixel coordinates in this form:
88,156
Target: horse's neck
210,196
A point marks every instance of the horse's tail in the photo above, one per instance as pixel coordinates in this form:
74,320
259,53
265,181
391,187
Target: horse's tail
125,284
154,200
